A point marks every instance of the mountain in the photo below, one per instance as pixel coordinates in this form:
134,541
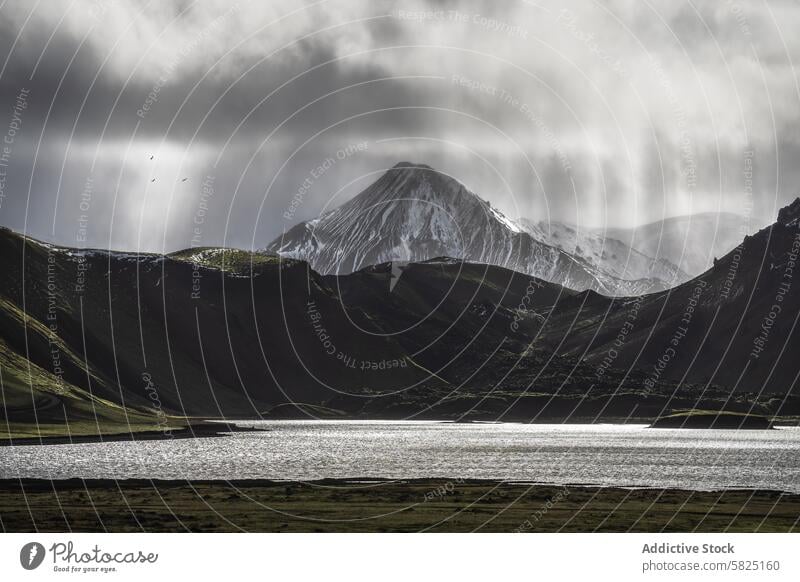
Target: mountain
610,255
98,341
690,242
203,332
414,213
734,325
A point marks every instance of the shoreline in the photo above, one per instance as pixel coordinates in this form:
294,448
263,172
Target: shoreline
8,483
212,428
206,430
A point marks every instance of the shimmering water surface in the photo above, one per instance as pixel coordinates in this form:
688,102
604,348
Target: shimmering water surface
561,454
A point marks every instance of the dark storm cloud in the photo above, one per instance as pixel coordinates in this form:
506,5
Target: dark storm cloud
585,111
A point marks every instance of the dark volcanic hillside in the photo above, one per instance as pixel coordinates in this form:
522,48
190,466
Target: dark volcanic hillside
224,333
108,339
734,325
216,332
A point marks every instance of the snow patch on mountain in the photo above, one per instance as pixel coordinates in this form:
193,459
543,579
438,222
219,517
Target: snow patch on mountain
609,254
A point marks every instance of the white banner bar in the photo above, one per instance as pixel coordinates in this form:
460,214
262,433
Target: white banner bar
401,557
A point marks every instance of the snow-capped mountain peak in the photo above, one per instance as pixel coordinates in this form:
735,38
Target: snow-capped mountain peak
414,213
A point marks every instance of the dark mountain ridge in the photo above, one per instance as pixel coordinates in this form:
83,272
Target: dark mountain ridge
734,325
144,339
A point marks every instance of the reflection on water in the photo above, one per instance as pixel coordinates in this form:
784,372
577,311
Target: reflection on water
563,454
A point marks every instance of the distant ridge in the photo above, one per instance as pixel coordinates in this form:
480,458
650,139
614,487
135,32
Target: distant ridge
690,242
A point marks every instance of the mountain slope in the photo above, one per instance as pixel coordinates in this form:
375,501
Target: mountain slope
229,333
45,386
612,256
414,213
209,333
690,242
734,325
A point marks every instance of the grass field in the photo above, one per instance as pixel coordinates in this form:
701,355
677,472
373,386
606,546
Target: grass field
407,506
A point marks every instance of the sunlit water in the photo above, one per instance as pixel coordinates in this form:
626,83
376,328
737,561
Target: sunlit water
561,454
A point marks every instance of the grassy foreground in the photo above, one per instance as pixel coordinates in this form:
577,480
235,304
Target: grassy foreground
386,506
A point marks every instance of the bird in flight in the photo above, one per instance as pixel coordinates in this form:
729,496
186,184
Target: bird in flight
153,180
151,157
184,179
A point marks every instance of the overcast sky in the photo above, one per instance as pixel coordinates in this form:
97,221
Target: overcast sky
615,113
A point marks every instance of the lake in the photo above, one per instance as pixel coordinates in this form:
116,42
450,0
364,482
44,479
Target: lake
629,455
